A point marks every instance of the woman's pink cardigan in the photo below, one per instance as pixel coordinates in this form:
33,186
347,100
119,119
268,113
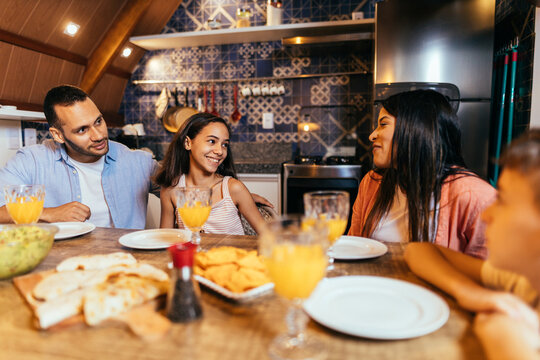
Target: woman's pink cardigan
459,226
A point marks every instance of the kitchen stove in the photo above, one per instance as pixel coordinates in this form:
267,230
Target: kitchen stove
330,160
306,174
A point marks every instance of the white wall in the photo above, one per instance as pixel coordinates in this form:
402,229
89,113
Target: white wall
535,98
10,139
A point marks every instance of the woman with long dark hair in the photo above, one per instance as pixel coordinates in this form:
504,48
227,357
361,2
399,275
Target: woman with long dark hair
420,189
199,155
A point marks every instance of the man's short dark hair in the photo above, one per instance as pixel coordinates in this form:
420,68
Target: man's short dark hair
63,95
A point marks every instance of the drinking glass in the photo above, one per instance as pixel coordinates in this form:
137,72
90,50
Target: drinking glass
295,258
330,207
193,206
24,203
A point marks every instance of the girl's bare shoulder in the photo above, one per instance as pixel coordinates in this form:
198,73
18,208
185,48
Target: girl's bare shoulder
236,186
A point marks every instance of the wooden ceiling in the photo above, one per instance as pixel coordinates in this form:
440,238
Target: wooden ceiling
36,55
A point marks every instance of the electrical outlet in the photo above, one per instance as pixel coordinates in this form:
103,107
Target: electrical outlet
268,120
30,136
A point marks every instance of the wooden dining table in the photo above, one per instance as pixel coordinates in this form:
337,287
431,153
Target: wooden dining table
228,330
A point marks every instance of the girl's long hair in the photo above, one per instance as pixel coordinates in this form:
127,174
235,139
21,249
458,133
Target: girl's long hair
426,149
176,160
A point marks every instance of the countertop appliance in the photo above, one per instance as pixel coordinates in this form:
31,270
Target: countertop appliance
298,177
445,45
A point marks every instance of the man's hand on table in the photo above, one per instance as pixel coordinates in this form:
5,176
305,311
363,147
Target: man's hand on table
73,211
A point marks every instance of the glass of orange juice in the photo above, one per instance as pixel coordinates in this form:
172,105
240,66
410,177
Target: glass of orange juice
193,206
24,203
331,208
296,260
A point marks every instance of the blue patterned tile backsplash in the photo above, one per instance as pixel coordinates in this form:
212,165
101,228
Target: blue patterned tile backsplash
339,104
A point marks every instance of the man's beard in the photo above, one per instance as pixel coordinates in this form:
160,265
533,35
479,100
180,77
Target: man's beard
86,152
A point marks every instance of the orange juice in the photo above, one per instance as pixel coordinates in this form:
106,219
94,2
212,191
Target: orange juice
296,269
194,217
336,228
25,212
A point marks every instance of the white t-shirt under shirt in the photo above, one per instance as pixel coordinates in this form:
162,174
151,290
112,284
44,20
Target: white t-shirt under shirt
92,191
394,227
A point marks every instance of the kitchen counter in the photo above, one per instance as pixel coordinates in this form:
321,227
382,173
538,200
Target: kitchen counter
227,330
257,168
260,158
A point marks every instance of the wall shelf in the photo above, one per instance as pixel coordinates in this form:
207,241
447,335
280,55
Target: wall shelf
342,28
246,80
21,115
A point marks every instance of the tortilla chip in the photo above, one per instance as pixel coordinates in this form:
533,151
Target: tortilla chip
221,255
220,274
251,261
235,269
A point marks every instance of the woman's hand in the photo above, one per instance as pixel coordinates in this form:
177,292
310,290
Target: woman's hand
505,337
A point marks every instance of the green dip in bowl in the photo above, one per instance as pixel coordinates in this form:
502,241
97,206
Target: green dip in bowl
23,247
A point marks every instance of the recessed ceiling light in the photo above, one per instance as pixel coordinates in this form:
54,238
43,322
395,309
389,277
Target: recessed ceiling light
71,29
126,52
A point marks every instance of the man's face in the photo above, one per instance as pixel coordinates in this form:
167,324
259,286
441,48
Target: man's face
82,130
513,225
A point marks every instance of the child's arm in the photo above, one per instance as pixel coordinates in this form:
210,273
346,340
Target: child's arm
459,275
245,204
504,337
167,208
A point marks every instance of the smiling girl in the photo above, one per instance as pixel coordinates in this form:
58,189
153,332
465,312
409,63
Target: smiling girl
420,189
199,155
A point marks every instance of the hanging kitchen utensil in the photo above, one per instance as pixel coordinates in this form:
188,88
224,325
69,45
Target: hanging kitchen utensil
200,107
186,112
205,99
162,102
235,116
175,117
168,120
214,111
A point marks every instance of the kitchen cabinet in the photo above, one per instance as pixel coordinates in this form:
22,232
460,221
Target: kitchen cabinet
11,132
266,185
344,30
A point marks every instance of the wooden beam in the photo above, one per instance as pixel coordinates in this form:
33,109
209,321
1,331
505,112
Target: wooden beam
115,37
22,105
40,47
21,41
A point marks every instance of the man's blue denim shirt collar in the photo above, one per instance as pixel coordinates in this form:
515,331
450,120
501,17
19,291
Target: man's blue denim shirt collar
61,153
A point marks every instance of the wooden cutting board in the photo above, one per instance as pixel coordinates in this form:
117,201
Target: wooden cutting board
143,320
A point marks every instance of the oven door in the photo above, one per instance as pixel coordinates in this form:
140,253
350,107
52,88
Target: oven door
300,179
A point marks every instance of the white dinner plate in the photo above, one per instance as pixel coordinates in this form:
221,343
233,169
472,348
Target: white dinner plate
68,230
356,247
154,238
239,297
376,307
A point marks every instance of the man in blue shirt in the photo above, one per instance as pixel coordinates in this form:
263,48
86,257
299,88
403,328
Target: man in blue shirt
86,175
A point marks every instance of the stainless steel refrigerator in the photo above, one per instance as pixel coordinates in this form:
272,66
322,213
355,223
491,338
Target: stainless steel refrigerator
445,45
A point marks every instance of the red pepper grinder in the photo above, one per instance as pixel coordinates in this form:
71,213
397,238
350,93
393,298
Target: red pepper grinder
183,302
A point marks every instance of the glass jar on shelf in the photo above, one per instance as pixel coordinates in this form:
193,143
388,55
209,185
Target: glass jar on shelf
243,16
